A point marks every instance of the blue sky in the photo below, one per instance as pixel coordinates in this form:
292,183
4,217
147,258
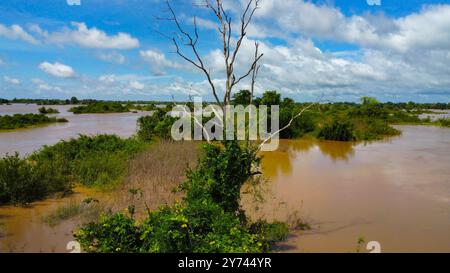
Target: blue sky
111,49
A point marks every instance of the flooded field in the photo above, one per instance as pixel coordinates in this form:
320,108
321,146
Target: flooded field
26,141
24,229
396,192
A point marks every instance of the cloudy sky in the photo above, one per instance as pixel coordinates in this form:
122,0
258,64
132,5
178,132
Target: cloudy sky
113,49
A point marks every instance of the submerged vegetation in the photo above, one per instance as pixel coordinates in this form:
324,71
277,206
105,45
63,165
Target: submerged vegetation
49,110
100,108
99,161
26,120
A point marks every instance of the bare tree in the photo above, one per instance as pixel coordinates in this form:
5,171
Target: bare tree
231,44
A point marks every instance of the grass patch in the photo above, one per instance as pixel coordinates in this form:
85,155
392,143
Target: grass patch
89,208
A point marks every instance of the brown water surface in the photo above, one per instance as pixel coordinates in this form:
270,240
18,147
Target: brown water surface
25,141
396,192
24,230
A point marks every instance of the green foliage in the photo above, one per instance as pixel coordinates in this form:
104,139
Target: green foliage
243,97
366,101
93,161
337,130
300,126
23,181
159,124
373,129
209,220
221,174
74,100
270,98
100,108
45,111
117,233
445,122
25,120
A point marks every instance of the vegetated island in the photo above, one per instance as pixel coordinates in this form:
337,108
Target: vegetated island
18,121
49,110
100,107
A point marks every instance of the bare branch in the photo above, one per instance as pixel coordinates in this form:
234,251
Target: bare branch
290,122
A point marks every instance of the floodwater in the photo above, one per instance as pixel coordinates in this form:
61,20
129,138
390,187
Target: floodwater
437,115
395,192
26,141
23,228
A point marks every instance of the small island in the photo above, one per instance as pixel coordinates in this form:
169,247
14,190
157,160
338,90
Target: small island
46,111
100,108
18,121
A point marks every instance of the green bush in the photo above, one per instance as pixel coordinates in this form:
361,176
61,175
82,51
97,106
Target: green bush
44,110
92,161
373,129
117,233
25,120
22,181
338,131
158,125
444,122
100,108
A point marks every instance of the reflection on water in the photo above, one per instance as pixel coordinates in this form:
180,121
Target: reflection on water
26,141
288,152
395,191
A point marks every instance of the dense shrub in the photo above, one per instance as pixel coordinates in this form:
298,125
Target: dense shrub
100,108
22,181
45,111
373,129
300,126
337,130
25,120
99,160
92,161
158,124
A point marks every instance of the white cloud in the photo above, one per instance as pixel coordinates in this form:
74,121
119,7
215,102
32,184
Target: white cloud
57,69
16,32
427,29
108,78
112,57
136,85
92,38
158,61
43,86
11,80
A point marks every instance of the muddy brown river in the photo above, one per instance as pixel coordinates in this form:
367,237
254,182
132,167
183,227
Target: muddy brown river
26,141
395,192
